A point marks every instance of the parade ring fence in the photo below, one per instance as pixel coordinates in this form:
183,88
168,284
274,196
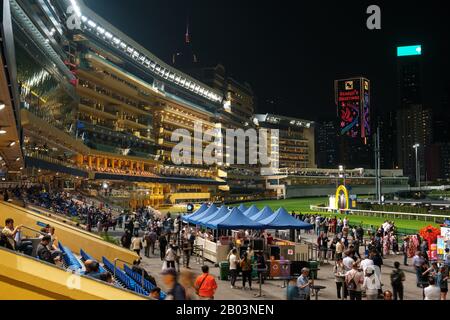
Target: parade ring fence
388,215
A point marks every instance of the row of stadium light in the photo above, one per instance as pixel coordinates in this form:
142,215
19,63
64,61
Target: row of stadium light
145,61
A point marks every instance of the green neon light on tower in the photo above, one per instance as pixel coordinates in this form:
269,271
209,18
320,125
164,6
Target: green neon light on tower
409,51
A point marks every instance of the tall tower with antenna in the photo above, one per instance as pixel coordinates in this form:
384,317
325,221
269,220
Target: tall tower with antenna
185,57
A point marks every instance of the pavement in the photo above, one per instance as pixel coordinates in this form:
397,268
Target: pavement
275,289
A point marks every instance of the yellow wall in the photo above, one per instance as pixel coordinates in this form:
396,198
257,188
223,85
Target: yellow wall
23,278
71,237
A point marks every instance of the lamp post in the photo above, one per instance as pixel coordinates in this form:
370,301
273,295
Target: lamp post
342,172
416,147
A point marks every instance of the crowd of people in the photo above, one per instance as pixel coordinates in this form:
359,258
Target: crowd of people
358,274
93,215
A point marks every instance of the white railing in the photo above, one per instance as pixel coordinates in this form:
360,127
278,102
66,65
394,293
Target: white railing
385,214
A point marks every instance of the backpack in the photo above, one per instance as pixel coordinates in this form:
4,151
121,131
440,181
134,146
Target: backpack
351,285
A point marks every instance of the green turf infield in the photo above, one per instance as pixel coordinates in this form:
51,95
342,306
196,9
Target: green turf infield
303,205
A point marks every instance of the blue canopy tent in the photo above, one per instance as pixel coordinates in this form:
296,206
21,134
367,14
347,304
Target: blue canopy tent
214,216
233,220
204,214
193,217
202,208
263,214
282,220
250,212
242,208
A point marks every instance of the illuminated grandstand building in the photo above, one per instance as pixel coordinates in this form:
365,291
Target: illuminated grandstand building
92,110
244,180
296,140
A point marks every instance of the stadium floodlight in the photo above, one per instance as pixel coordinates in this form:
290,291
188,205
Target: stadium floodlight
92,24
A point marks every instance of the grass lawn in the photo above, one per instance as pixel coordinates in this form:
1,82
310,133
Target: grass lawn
303,206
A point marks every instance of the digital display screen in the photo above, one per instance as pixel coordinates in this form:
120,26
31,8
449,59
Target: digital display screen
409,51
349,108
353,102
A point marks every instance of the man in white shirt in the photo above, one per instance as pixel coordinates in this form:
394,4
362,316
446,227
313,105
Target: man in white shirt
348,261
345,222
432,292
233,260
366,263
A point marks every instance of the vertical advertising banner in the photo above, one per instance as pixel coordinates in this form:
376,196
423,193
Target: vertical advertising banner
349,107
365,114
353,107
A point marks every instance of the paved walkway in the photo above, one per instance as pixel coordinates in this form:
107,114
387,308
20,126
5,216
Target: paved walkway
273,289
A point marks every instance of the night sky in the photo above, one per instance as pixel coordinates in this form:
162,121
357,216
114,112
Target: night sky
292,51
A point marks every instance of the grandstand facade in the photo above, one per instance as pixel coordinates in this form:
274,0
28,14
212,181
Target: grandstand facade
96,106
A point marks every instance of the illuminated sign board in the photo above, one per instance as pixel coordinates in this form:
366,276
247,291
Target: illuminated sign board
353,103
409,51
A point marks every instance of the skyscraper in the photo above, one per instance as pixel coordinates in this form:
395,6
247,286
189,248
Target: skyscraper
414,120
387,124
327,144
185,57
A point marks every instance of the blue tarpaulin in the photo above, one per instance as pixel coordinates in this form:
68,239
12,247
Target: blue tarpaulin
242,208
263,214
191,218
282,220
216,215
235,219
251,211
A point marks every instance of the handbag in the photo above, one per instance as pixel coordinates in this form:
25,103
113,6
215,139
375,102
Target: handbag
197,289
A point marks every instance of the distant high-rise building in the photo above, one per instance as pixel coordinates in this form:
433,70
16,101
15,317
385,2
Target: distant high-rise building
409,75
387,125
355,153
414,125
414,121
327,148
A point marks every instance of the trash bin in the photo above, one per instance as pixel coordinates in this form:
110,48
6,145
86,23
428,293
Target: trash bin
314,269
285,269
224,268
